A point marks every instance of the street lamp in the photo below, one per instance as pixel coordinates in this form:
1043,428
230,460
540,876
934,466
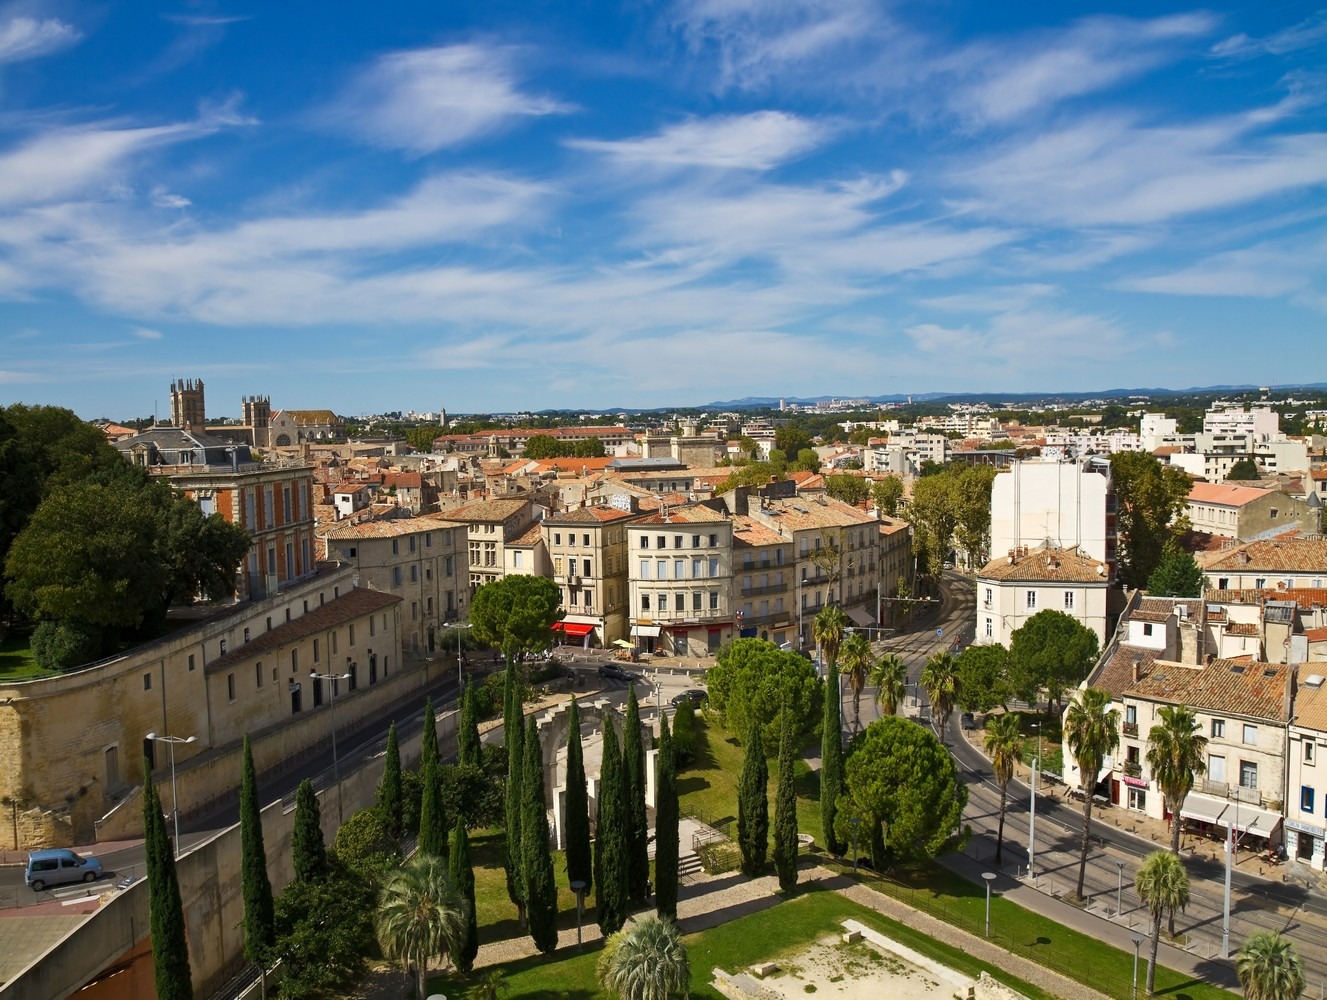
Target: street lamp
1137,942
854,822
578,887
458,626
989,878
336,763
1119,889
174,792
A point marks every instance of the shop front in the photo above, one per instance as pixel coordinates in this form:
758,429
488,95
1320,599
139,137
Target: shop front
1304,843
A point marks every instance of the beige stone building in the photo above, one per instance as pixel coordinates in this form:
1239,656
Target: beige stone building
1245,511
490,525
421,560
1282,562
764,582
588,550
74,745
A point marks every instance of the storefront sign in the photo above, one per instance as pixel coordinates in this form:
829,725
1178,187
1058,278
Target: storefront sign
1312,831
1135,782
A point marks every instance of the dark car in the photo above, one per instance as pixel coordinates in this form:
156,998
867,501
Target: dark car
693,695
967,721
611,671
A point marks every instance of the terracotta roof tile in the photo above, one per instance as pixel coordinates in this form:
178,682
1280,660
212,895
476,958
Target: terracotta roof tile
487,510
529,537
1048,565
1242,628
1225,494
359,602
1233,686
1311,701
1285,553
594,514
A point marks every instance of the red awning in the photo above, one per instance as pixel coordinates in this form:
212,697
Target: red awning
573,629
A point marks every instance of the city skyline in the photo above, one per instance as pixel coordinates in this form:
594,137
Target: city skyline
499,208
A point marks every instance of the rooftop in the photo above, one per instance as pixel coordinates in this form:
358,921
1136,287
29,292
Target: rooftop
487,510
1224,494
1283,554
1046,565
1230,687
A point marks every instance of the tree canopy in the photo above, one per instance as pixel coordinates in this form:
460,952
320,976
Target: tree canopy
1050,652
1177,574
951,509
1245,470
887,493
850,489
547,446
900,776
1150,497
983,678
515,613
753,678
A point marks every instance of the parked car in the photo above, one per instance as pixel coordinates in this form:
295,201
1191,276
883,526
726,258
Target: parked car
967,721
693,695
60,867
611,671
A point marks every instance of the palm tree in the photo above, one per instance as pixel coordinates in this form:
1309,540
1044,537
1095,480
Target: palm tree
1175,755
827,631
1004,744
1092,732
646,961
858,662
420,915
939,680
492,987
1269,968
1163,886
890,679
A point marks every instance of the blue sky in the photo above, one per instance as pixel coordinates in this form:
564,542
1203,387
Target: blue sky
493,206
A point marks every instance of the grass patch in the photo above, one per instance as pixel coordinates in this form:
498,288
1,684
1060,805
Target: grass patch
1052,748
17,661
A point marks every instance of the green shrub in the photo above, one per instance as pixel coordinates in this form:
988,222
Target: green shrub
684,734
65,644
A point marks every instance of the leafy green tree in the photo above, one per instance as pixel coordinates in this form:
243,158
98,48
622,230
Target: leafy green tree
1150,497
1177,574
515,613
888,494
901,777
541,892
1176,753
1091,730
1243,471
1004,745
890,679
540,446
807,459
390,799
858,663
933,514
65,644
308,852
432,811
610,842
468,744
365,847
646,962
791,439
666,833
941,682
324,931
972,527
421,438
576,805
170,948
633,801
1269,968
850,489
513,735
785,812
684,734
420,916
463,878
827,629
259,909
983,679
753,678
753,804
1163,886
1050,652
831,759
428,741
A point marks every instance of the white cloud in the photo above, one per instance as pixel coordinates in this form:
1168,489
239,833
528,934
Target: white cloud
146,333
28,38
165,199
1266,270
988,300
428,99
1033,341
758,141
1306,34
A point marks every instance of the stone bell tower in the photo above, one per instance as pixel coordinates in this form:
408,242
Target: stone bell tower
186,404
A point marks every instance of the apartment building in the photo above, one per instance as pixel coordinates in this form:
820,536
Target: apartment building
1245,511
764,588
420,560
588,549
1013,588
1285,562
1062,505
1306,771
490,525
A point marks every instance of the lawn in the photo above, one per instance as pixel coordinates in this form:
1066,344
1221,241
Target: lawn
782,930
17,662
1052,751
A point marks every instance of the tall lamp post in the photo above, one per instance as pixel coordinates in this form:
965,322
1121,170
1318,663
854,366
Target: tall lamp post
336,762
1119,889
1137,942
460,680
988,877
578,887
174,792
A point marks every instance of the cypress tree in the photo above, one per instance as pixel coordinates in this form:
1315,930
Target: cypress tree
259,909
170,949
468,745
753,804
463,877
390,799
306,840
666,846
785,811
580,861
633,802
831,759
610,841
428,743
541,891
513,736
432,811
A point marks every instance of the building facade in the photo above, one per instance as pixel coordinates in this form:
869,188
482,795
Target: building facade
588,548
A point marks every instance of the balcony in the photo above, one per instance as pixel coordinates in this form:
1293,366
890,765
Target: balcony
773,588
570,579
1131,729
1133,768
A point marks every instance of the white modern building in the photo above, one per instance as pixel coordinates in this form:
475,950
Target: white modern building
1060,505
1011,589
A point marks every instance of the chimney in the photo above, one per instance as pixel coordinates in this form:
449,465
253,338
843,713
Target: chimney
1137,669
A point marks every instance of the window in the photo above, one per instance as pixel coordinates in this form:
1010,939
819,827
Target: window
1250,735
714,540
258,674
714,600
396,546
987,597
662,602
147,682
191,661
246,635
315,650
1223,583
414,610
1068,600
571,538
1248,774
1131,715
585,565
1147,629
333,642
230,686
714,566
587,597
428,539
695,541
989,628
645,602
396,576
414,574
697,569
516,560
644,569
1218,729
585,540
661,542
695,600
1306,799
679,569
1216,768
1308,751
661,570
294,661
644,541
1031,598
1260,583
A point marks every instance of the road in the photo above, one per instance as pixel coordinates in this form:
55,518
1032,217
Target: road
1256,903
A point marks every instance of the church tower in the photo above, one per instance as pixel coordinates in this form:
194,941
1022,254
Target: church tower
258,417
186,404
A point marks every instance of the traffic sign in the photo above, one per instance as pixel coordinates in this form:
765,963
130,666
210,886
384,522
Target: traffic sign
940,633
